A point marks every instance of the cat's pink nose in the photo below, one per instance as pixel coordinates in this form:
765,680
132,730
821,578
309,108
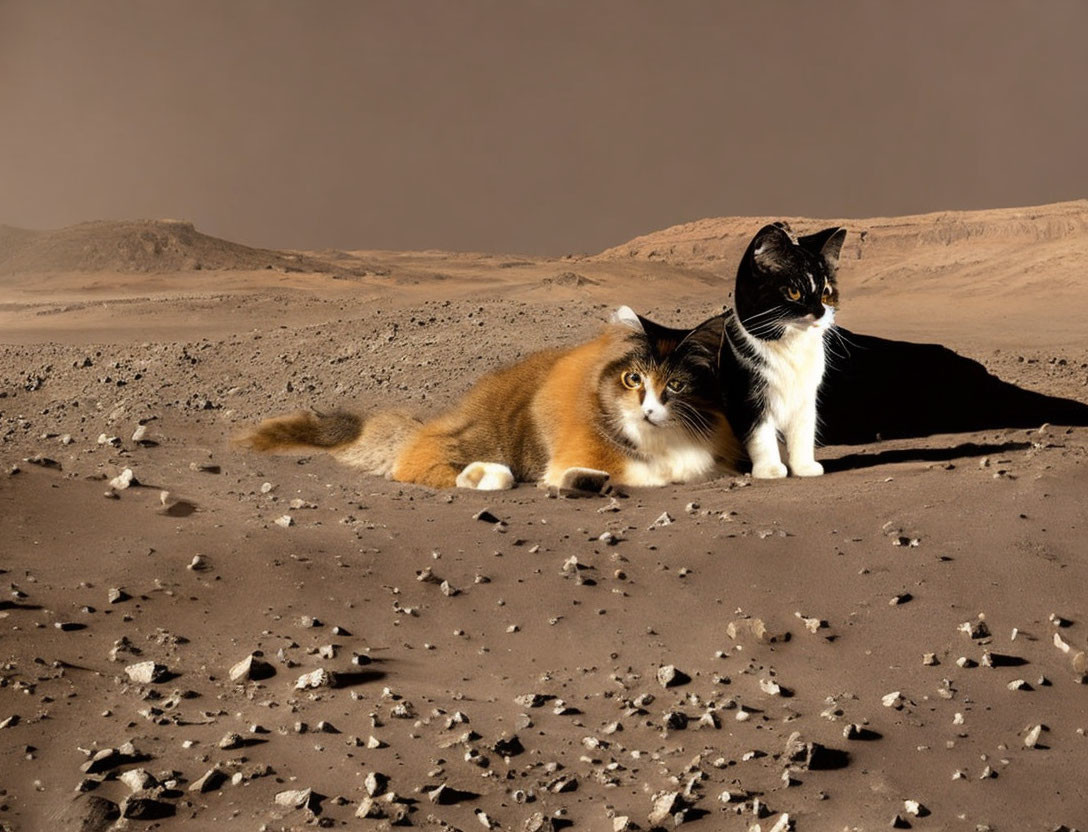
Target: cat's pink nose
654,415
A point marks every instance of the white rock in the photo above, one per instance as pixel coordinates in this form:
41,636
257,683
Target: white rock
122,480
250,667
320,678
369,808
892,700
663,807
975,629
664,519
782,824
1032,738
146,673
770,687
913,807
375,783
285,521
293,798
137,779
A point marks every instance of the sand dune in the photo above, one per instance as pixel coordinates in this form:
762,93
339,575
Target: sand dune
145,246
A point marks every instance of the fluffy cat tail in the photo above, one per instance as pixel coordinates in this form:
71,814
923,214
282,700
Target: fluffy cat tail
371,444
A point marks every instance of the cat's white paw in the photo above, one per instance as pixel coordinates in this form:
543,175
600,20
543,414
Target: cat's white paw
581,481
486,476
809,468
769,471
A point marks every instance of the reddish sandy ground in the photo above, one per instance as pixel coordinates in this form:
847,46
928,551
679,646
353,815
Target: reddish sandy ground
855,576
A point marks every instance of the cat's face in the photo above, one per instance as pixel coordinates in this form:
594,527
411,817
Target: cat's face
666,381
786,283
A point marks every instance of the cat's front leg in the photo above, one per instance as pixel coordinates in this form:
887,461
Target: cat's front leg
486,476
762,447
801,443
577,481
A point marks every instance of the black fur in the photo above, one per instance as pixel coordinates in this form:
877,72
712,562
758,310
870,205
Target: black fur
774,264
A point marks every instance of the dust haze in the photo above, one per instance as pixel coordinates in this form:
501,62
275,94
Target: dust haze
531,127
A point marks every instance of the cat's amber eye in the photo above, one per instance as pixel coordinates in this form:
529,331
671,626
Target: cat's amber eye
676,386
632,381
792,293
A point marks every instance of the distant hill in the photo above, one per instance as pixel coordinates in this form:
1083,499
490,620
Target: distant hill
1000,251
151,246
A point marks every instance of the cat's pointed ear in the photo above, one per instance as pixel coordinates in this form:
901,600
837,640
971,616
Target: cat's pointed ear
827,244
771,247
627,316
706,341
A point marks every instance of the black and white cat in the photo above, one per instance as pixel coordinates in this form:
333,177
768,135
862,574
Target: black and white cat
784,309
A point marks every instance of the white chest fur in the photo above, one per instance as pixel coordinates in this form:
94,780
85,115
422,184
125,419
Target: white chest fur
793,367
672,455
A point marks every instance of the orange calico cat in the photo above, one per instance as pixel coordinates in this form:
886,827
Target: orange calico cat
635,406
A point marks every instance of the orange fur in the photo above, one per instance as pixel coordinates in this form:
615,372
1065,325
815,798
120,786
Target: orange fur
539,417
561,406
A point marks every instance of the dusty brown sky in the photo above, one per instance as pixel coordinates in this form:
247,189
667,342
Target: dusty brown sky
543,127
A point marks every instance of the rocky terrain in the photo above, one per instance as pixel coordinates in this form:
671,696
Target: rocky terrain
194,637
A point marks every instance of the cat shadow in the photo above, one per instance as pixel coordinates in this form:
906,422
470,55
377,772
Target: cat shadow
877,388
849,462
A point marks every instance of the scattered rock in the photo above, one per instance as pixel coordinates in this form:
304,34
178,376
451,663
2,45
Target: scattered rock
251,668
753,628
893,700
119,483
231,740
539,822
531,700
915,809
297,799
369,808
664,519
773,688
669,676
148,673
137,807
812,755
375,783
320,678
209,781
137,780
446,795
976,629
508,746
813,625
116,595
